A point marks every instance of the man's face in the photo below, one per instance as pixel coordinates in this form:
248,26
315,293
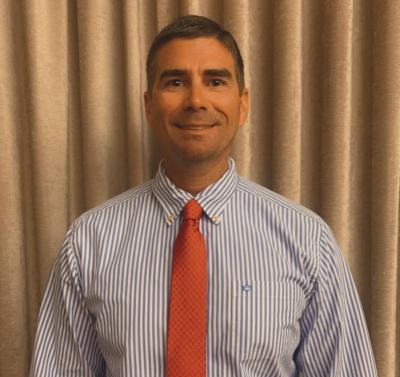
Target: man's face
195,107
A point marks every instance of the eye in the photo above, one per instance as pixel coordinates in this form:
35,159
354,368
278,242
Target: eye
174,83
217,82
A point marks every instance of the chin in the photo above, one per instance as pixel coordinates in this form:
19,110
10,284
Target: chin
190,157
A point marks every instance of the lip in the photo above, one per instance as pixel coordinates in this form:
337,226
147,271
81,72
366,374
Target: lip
195,126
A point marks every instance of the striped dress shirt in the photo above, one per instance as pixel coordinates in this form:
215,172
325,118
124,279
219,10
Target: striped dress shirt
281,299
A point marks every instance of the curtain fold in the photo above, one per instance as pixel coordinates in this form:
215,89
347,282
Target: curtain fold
287,98
323,130
385,183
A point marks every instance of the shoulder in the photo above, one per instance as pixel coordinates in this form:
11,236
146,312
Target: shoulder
305,236
291,219
295,222
277,203
117,205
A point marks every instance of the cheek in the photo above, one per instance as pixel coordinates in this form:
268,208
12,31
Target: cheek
160,115
229,106
170,100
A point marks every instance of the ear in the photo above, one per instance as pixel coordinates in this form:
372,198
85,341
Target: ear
147,107
243,107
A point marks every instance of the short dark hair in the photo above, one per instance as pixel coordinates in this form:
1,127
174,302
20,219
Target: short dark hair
194,27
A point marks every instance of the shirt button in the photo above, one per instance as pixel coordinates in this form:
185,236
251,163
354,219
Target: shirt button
170,218
216,218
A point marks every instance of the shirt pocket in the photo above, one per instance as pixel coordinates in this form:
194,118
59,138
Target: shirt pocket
265,317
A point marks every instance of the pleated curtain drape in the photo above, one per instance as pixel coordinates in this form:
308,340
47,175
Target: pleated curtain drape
324,130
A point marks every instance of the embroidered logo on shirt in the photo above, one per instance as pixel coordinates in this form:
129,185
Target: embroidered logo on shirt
246,287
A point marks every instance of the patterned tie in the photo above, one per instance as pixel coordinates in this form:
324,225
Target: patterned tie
187,325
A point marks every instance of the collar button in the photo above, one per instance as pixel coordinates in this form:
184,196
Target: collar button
216,218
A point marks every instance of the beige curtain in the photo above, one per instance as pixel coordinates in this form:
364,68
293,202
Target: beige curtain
324,130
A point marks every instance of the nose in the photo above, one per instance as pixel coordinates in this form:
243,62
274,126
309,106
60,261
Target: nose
196,98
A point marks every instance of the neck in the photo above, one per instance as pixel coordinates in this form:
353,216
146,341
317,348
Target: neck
194,178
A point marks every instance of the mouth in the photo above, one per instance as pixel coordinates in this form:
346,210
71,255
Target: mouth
195,126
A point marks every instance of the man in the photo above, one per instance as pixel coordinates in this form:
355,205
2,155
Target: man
253,285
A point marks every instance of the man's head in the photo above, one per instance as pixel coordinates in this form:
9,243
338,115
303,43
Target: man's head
191,27
195,103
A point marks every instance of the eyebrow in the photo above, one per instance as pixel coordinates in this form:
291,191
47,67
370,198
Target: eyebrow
217,72
173,73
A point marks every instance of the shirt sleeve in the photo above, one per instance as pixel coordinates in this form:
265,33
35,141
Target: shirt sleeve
334,335
66,342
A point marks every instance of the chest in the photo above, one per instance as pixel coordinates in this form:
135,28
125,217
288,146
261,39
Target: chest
256,295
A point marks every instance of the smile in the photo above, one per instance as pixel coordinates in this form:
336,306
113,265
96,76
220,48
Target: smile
195,127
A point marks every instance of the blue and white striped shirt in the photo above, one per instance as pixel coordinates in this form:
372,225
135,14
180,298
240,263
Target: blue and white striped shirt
280,297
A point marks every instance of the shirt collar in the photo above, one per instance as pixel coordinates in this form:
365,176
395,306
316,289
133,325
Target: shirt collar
213,199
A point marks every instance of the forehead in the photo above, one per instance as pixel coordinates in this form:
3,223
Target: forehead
200,53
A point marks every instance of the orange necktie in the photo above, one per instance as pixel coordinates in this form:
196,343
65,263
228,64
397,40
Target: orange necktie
187,324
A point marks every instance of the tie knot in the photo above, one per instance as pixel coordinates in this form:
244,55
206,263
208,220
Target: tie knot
192,210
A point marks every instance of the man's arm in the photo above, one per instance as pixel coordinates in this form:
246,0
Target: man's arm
335,340
66,342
